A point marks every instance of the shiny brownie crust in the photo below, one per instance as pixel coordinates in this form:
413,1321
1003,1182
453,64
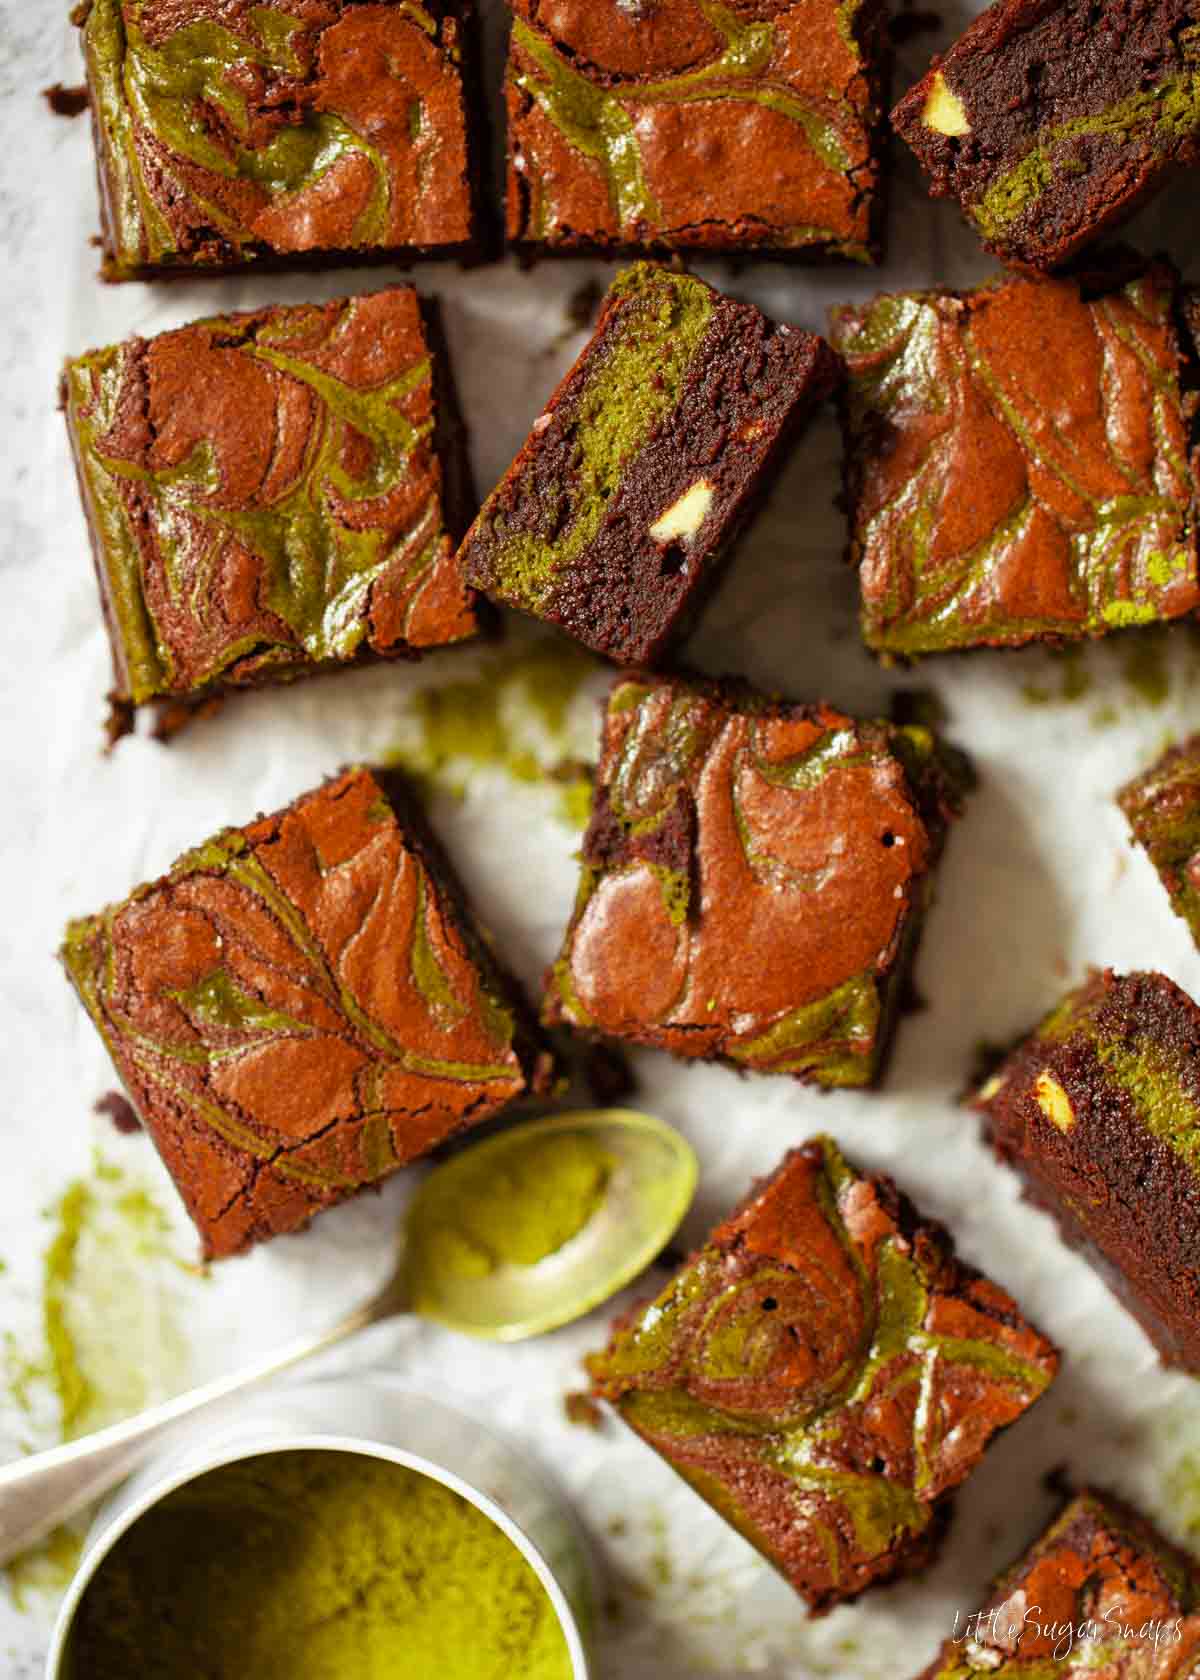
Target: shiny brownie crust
300,1007
755,875
1020,460
230,133
271,494
1100,1595
681,125
825,1372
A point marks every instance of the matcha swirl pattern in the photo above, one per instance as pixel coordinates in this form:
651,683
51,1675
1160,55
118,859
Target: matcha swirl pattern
754,880
823,1372
1000,497
265,494
233,131
297,1009
613,115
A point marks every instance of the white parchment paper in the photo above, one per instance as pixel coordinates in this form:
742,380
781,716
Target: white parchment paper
1038,883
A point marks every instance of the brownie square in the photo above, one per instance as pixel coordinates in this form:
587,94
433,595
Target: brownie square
1099,1112
1052,120
1163,809
270,494
755,875
1018,460
1101,1595
300,1007
824,1371
648,460
694,126
231,132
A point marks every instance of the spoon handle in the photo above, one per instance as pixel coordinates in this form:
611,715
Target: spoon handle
39,1492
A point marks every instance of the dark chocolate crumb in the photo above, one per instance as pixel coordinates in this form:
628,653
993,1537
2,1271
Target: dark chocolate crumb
66,101
120,1111
583,1410
607,1075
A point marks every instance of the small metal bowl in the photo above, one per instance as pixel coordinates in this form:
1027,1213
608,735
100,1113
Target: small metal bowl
371,1417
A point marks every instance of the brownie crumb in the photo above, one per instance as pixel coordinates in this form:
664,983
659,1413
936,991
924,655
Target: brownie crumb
66,101
581,1409
120,1111
607,1075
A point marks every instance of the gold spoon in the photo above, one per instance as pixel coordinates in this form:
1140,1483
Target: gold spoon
651,1178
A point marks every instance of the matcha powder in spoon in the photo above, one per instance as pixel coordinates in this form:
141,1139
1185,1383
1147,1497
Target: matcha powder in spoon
316,1566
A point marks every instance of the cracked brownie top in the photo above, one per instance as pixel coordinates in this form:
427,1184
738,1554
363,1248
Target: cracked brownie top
713,124
300,1007
754,879
229,131
824,1371
1020,459
269,493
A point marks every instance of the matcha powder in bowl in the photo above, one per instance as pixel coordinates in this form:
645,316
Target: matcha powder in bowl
316,1565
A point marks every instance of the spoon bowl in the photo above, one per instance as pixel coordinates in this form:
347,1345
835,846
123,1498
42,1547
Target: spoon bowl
652,1173
650,1177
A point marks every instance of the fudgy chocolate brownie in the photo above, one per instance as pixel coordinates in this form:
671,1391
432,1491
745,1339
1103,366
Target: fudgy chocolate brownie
755,875
824,1371
1163,808
233,131
647,461
1099,1113
1051,120
1101,1594
686,124
1019,460
300,1007
270,494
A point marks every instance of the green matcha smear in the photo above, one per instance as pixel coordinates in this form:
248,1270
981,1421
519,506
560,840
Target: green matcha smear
314,1566
511,1211
513,715
112,1300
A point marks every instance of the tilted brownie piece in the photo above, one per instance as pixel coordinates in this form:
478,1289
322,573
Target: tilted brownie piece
300,1007
824,1371
649,458
314,131
1052,120
688,124
1163,808
1017,460
270,494
1099,1112
1100,1595
755,876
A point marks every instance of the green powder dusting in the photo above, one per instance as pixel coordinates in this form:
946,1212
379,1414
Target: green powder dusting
45,1568
314,1566
514,715
73,1388
1075,680
1145,668
110,1343
513,1211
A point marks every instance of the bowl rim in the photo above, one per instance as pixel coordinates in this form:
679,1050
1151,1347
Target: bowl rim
100,1544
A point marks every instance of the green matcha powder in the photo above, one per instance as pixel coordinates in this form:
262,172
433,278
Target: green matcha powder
316,1566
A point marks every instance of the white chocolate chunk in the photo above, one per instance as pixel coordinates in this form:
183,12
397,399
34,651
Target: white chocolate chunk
944,110
684,517
1054,1102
